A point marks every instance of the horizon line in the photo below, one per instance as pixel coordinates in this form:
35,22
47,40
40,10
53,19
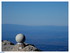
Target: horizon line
37,25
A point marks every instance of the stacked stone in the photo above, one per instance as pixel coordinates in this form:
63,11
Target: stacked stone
20,46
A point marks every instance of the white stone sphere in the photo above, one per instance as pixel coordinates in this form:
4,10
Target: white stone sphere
20,38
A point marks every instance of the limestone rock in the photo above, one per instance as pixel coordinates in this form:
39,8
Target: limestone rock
25,47
6,42
8,46
30,48
20,38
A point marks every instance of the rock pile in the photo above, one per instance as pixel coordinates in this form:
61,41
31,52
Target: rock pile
20,46
7,45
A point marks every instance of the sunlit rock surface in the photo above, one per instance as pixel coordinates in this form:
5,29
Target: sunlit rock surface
9,46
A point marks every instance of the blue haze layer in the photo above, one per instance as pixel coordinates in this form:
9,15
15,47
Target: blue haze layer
35,13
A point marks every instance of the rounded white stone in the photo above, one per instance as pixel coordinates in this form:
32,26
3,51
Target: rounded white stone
20,38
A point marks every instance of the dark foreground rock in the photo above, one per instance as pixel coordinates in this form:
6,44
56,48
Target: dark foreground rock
9,46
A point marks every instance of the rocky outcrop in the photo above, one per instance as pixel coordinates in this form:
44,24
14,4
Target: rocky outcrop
20,46
9,46
6,42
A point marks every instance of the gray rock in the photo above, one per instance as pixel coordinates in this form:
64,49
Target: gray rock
25,47
6,42
8,46
29,48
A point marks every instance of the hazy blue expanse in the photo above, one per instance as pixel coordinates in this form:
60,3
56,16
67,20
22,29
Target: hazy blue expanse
35,13
47,38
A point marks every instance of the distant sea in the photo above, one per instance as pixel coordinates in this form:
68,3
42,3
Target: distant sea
45,38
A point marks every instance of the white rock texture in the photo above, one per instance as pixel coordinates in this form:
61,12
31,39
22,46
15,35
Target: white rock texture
20,38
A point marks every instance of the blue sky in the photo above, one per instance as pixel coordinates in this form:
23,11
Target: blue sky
35,13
